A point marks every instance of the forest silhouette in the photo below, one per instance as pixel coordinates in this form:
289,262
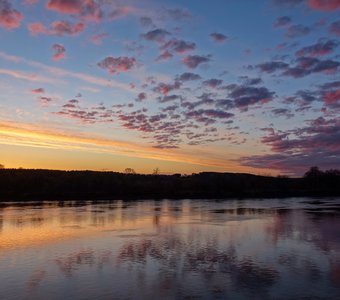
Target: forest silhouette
36,184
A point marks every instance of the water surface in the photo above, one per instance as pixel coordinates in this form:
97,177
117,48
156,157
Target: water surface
188,249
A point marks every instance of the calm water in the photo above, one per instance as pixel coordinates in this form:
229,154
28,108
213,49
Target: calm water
189,249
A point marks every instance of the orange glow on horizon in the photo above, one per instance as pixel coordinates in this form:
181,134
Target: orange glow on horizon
35,137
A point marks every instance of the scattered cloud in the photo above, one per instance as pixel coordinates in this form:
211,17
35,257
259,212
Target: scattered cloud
117,64
59,28
334,28
179,46
38,91
89,10
189,76
10,18
297,31
325,5
282,22
319,49
193,61
218,37
59,52
156,35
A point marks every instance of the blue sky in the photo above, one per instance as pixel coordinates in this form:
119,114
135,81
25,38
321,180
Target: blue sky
186,86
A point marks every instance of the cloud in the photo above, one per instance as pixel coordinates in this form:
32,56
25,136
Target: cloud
189,76
303,66
218,37
38,91
59,28
282,22
146,22
60,73
117,64
296,31
168,98
156,35
319,49
251,81
28,76
120,12
309,65
294,150
272,66
325,5
193,61
213,83
98,38
165,88
244,96
164,56
89,10
59,52
10,18
278,112
27,135
334,28
208,116
141,96
179,46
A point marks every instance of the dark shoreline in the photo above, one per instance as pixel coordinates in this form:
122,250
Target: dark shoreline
39,185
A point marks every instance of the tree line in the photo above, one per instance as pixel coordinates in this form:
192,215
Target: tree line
31,184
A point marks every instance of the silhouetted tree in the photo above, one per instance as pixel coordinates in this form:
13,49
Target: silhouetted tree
156,171
129,171
313,172
2,166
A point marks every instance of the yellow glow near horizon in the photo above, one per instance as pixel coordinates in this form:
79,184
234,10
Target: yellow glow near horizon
24,135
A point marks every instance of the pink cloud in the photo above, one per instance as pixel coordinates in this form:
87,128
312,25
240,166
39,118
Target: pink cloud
59,52
65,6
89,10
37,28
326,5
117,64
64,27
164,56
98,38
120,12
38,91
56,28
10,18
332,97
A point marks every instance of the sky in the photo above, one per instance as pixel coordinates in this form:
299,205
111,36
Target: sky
183,86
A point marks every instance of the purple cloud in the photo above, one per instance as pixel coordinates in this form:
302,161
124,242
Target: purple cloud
282,22
334,28
179,46
193,61
117,64
296,31
157,35
189,76
213,83
218,37
319,49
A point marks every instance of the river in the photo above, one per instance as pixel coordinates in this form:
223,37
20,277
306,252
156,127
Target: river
182,249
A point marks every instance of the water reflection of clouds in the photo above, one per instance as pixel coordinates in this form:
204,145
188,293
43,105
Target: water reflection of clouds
176,250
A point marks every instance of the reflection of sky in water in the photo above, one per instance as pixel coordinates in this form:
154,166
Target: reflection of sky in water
262,249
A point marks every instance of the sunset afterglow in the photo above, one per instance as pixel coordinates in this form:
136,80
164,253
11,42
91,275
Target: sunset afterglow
239,86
